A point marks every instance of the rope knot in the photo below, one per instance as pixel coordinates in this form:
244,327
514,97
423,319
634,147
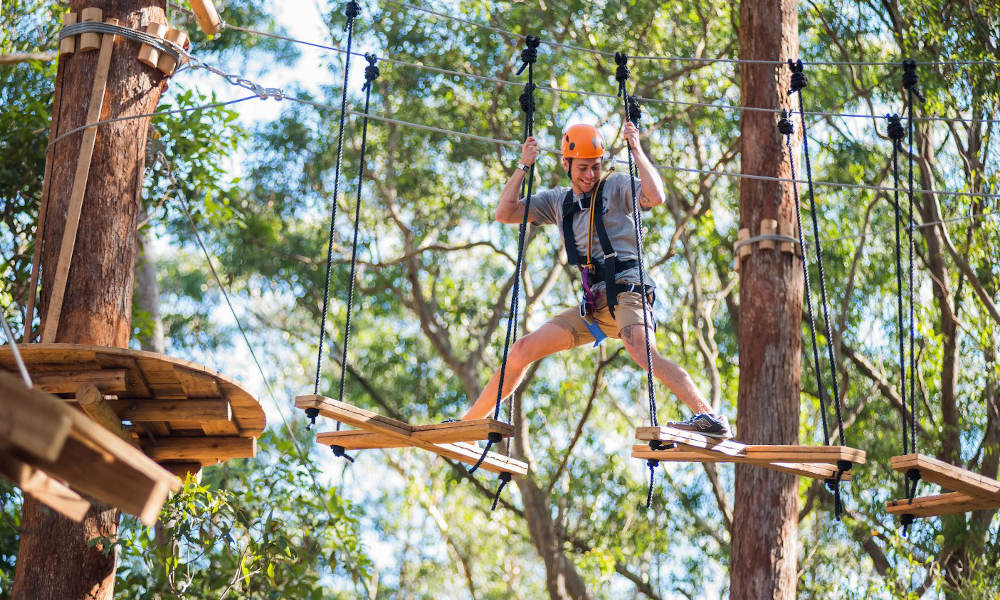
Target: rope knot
910,78
896,131
371,71
527,98
798,77
530,53
633,110
352,10
312,413
621,73
785,125
652,464
338,451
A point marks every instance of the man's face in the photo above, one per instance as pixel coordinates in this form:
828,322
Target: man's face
584,173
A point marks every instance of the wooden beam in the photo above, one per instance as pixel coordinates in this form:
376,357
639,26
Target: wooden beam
90,40
51,324
31,420
688,438
948,476
42,487
67,45
91,400
207,16
139,411
442,433
201,448
816,471
149,55
768,227
109,381
942,504
182,469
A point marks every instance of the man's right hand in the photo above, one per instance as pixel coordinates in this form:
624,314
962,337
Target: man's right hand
529,151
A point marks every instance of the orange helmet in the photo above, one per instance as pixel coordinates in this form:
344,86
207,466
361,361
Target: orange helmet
582,141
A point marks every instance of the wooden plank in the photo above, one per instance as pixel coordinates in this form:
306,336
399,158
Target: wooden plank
149,55
741,235
162,379
166,62
938,505
788,229
691,439
201,448
948,476
768,227
207,16
90,41
42,487
91,400
441,433
182,469
111,381
51,324
32,420
810,454
354,416
817,471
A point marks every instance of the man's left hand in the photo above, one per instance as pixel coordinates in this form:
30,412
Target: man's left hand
631,135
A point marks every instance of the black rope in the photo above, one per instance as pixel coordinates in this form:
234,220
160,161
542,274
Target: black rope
633,113
527,103
504,480
798,82
896,135
351,11
910,81
339,452
371,74
787,128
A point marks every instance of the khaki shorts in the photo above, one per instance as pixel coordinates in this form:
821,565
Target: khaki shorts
628,311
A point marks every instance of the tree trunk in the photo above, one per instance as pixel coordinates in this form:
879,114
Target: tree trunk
147,295
54,560
764,546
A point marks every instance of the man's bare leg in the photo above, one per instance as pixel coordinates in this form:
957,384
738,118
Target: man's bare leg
668,372
547,339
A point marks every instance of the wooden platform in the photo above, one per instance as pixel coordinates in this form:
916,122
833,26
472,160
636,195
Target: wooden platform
969,491
819,462
451,440
181,413
57,454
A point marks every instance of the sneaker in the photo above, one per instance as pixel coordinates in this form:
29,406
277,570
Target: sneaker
716,426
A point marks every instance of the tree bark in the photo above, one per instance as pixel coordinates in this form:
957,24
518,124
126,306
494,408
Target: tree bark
54,560
764,547
147,295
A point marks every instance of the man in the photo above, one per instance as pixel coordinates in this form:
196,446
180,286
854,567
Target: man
602,244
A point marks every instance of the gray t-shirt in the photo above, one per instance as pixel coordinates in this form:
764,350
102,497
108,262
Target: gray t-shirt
546,209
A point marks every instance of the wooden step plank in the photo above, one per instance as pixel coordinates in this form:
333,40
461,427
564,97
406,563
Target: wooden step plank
42,487
688,438
32,420
938,505
809,454
357,417
440,433
460,451
817,471
109,381
948,476
174,410
201,448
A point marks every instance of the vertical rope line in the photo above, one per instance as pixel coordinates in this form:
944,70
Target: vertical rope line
632,114
351,11
909,235
787,128
371,73
822,276
894,130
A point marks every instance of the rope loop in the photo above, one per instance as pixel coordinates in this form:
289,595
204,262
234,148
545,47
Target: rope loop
530,54
910,78
785,125
504,480
799,80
